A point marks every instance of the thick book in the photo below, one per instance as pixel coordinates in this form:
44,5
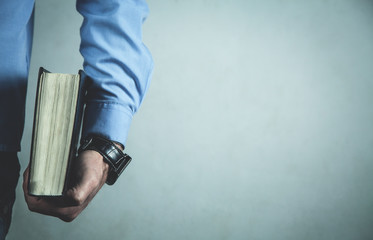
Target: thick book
57,121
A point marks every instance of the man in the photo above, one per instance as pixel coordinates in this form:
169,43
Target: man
118,66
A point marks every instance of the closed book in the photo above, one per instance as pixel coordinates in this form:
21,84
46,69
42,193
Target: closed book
58,114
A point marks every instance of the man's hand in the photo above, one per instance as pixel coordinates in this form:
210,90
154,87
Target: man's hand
88,173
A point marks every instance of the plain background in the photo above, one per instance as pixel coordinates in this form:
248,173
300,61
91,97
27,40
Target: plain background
258,124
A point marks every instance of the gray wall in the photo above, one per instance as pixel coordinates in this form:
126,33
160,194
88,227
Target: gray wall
258,124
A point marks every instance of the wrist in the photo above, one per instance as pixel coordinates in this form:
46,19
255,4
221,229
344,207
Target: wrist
96,160
111,153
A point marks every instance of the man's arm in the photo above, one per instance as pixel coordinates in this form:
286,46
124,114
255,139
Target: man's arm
119,67
117,62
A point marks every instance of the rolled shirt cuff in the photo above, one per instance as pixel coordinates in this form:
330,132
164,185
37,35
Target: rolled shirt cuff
109,120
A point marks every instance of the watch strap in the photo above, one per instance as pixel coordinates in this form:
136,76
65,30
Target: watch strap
112,155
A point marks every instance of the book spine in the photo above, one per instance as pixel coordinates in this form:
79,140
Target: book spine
77,127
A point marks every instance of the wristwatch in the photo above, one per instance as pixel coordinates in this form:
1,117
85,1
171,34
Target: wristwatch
112,155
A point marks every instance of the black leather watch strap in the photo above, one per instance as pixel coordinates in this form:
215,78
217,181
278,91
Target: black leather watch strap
112,155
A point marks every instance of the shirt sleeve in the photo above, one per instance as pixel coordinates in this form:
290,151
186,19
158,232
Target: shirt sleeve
117,62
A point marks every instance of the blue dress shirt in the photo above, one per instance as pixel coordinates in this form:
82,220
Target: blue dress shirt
115,58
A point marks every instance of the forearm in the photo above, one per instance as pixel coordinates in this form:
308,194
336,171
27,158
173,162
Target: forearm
117,62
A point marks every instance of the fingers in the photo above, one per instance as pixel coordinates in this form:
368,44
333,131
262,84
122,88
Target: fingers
25,180
52,207
90,173
55,207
